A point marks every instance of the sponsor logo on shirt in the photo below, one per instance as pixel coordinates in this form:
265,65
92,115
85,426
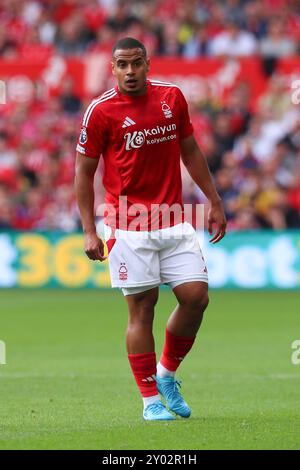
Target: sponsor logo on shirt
136,139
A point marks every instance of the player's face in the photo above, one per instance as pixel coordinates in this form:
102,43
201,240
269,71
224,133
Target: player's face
130,67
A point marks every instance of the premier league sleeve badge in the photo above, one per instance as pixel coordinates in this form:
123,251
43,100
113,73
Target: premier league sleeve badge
83,136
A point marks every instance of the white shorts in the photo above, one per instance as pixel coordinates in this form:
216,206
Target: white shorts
139,261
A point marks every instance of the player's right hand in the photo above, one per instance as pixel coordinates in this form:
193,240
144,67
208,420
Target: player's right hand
94,247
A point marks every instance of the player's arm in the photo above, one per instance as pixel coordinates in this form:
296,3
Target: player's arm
197,167
84,189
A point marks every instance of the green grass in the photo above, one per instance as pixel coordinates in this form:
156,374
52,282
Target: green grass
67,383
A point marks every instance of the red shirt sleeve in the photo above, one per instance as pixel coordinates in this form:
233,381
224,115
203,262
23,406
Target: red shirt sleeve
93,134
186,127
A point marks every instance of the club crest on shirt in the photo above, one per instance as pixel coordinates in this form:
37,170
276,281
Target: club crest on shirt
166,110
83,136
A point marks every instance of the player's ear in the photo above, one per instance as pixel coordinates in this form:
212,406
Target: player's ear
148,64
113,67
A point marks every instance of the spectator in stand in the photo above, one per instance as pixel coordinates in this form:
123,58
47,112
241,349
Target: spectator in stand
237,106
73,36
293,200
227,190
8,156
244,219
185,15
122,17
233,41
222,132
70,102
47,27
137,30
234,9
276,43
256,18
94,15
170,44
33,49
104,41
8,47
6,208
198,44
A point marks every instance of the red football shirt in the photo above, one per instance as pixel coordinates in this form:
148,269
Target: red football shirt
139,139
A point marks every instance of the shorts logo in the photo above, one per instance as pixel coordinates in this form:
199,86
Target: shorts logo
134,140
166,110
123,272
83,136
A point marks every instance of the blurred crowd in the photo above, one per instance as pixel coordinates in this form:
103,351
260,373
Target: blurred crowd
253,153
187,28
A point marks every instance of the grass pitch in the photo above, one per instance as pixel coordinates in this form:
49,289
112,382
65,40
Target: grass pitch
67,383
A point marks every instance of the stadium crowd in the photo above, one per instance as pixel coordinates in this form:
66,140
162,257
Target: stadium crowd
187,28
254,154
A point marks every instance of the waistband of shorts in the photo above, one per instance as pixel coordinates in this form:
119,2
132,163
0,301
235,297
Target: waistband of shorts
178,229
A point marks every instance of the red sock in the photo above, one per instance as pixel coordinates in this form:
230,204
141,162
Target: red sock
143,367
175,349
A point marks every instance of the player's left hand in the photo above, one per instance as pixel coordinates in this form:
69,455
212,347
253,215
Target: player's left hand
216,216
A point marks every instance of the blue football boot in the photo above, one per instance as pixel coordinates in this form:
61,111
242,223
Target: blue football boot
168,387
157,412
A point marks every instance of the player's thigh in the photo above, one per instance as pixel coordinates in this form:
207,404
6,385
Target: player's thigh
182,260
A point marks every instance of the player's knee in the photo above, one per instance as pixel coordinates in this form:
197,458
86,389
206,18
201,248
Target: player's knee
147,300
200,302
197,302
141,319
141,308
204,301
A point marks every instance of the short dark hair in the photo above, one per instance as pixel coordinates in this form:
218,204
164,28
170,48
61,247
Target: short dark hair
129,43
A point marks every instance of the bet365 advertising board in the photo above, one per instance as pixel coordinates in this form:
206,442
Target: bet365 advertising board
251,260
